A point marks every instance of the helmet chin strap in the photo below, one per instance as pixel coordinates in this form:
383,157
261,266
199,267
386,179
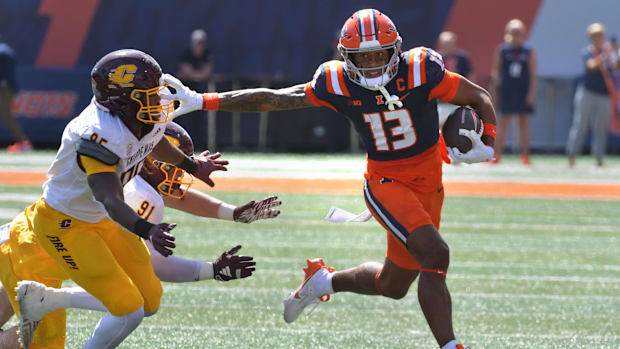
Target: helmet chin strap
390,100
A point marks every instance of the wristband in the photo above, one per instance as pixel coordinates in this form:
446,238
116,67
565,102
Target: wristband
226,211
490,130
210,101
142,228
188,164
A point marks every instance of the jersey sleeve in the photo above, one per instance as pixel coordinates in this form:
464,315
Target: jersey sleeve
327,85
443,83
96,151
92,166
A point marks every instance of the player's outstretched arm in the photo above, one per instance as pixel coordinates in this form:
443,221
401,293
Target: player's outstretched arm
248,100
264,99
201,204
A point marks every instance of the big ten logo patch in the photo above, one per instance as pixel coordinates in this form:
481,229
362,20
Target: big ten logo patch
123,75
65,224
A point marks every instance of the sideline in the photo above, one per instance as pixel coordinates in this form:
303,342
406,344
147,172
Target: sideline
354,186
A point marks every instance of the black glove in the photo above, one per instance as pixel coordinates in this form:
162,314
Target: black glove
228,266
161,239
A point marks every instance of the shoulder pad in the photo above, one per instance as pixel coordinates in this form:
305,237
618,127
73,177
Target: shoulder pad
331,76
96,151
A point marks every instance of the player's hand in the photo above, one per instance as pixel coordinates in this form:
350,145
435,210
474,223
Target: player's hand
255,210
228,266
161,238
189,100
479,151
207,163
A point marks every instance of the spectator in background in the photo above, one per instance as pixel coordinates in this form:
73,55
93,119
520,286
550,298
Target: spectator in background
514,73
592,98
195,69
455,60
8,88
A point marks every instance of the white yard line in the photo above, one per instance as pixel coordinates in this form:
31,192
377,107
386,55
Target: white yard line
20,197
8,213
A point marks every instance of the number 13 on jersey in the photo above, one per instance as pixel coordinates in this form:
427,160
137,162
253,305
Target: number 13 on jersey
404,129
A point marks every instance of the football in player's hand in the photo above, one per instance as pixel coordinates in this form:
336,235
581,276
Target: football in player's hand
462,118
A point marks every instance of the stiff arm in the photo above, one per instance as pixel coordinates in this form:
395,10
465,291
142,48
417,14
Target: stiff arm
264,99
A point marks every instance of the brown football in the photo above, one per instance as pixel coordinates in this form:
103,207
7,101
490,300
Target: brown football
462,118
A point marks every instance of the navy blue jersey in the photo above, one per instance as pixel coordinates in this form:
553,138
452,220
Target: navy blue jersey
515,70
390,134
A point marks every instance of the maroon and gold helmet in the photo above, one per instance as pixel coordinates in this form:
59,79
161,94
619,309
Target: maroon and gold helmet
167,178
127,83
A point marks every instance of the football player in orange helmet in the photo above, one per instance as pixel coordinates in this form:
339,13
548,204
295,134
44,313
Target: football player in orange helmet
391,97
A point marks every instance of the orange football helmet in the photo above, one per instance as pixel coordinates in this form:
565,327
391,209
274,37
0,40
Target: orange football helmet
366,31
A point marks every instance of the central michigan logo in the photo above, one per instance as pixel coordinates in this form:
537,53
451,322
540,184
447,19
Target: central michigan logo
65,224
123,75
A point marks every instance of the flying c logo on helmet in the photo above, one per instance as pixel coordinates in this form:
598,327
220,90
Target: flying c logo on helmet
123,75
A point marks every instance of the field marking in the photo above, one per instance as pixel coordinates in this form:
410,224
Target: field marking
8,213
500,188
20,197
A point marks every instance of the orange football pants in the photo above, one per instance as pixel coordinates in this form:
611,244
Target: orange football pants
401,207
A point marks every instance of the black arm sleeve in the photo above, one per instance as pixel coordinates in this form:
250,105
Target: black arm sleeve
96,151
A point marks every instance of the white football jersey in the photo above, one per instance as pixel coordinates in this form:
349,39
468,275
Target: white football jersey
66,189
144,199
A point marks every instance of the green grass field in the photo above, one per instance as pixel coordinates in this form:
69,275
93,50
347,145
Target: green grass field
525,273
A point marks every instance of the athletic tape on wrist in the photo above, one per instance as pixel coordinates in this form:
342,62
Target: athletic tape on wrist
226,211
210,101
490,130
188,164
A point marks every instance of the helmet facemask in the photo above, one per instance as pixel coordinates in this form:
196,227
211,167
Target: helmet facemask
359,75
176,183
153,109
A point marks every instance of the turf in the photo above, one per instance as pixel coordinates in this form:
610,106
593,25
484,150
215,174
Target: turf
525,273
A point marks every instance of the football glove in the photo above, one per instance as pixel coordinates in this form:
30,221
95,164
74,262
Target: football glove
255,210
228,266
189,100
479,151
161,239
207,163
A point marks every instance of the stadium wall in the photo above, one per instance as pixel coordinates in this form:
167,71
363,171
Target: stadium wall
58,41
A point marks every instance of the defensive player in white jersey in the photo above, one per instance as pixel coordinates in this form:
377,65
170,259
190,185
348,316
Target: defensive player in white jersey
157,183
82,221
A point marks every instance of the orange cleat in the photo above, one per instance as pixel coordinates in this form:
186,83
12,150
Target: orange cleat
305,295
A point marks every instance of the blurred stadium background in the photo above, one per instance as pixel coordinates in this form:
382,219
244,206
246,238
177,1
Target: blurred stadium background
535,255
278,43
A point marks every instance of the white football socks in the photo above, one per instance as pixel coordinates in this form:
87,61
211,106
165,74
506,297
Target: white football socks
112,330
71,297
323,282
80,299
